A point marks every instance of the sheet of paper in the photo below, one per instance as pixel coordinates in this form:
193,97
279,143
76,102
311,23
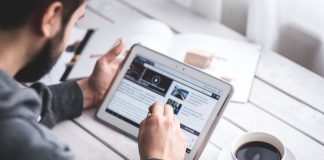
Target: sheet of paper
150,33
234,61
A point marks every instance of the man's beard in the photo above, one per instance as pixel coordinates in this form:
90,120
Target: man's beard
44,61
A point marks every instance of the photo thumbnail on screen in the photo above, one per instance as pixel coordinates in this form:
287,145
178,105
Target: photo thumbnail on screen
179,93
175,105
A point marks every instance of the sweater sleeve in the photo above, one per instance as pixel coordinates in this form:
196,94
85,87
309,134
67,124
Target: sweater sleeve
22,139
59,102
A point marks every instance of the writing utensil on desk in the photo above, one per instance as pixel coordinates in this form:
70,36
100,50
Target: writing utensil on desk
96,55
99,55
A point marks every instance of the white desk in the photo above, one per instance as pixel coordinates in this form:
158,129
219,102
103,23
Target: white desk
287,100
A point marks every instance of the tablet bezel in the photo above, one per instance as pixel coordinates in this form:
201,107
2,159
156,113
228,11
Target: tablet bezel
187,70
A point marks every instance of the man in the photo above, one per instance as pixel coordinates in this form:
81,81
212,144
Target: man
32,35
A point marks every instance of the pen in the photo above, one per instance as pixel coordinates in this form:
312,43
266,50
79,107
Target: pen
123,54
96,55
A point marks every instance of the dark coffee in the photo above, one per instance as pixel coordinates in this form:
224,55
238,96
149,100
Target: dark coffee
258,151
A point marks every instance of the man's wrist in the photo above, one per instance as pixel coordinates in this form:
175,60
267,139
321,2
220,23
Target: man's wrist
153,157
89,96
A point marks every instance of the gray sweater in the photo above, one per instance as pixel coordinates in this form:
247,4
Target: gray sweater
26,114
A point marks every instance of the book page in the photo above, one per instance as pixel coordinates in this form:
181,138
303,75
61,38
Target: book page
233,61
149,33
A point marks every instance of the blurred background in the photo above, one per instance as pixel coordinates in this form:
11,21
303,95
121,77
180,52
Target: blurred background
293,28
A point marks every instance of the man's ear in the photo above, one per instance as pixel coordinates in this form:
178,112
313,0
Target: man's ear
51,20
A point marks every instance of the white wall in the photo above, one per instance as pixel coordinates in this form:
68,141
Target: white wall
310,12
310,15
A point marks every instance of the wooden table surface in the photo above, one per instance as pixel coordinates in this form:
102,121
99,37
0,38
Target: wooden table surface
287,100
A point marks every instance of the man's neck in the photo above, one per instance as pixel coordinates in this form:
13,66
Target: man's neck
13,51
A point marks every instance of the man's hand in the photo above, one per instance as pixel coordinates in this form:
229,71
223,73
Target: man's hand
95,87
160,135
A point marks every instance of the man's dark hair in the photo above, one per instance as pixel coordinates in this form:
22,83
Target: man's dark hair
15,14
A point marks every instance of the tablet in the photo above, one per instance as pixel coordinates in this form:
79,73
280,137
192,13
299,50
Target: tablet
197,98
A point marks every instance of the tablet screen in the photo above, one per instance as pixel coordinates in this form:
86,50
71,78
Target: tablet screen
146,82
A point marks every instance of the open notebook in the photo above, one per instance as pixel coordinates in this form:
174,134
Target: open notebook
234,61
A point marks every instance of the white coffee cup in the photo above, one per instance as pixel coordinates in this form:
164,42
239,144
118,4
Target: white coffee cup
260,137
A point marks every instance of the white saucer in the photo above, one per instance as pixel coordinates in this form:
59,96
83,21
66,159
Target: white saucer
226,155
